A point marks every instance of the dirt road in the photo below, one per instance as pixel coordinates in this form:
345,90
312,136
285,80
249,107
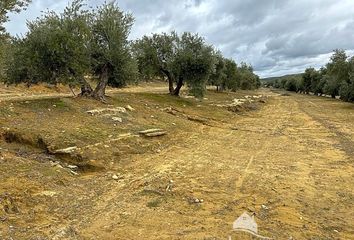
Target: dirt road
289,163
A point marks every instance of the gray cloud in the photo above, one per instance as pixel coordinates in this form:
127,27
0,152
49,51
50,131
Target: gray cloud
275,36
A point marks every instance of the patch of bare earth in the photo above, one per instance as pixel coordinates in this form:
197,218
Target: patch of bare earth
286,159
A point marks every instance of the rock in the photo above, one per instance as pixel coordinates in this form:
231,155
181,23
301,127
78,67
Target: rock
130,108
196,119
151,130
155,134
48,193
264,207
169,186
66,150
107,110
117,119
72,167
115,177
73,173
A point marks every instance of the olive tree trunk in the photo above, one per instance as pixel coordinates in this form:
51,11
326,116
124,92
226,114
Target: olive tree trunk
86,89
100,90
178,87
170,80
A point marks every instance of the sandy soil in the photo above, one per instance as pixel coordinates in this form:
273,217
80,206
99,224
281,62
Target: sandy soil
290,163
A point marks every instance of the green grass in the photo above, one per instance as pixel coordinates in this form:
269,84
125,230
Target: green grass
167,99
154,203
44,104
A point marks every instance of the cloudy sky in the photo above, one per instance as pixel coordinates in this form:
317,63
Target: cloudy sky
276,36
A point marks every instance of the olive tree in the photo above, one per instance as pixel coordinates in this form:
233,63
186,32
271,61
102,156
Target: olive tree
7,6
217,78
337,72
232,76
54,50
181,59
346,89
156,56
112,60
194,64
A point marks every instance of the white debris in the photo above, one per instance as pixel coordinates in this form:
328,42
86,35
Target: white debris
107,110
117,119
130,108
66,150
264,207
73,167
47,193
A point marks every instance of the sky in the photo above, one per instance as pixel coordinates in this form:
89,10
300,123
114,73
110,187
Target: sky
277,37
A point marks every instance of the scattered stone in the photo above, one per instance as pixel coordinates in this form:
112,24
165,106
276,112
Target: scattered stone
169,186
73,173
47,193
170,110
107,110
196,119
117,119
66,150
72,167
130,108
194,200
264,207
153,132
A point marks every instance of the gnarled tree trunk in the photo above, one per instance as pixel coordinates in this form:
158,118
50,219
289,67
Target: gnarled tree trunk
86,89
170,80
100,90
178,87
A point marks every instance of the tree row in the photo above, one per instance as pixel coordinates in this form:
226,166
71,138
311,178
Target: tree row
334,79
79,47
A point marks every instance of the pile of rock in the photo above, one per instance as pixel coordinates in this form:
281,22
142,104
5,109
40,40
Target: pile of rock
112,113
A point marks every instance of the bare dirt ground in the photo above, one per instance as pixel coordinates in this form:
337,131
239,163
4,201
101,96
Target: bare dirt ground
289,161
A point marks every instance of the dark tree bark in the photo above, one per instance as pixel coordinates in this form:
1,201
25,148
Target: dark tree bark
100,90
170,80
86,89
178,87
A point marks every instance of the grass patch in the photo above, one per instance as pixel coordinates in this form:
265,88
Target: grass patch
167,99
43,104
154,203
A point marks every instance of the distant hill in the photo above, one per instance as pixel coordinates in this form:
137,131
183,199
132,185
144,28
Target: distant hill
270,79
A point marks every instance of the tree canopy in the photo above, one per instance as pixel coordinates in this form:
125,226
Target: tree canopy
334,79
78,47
